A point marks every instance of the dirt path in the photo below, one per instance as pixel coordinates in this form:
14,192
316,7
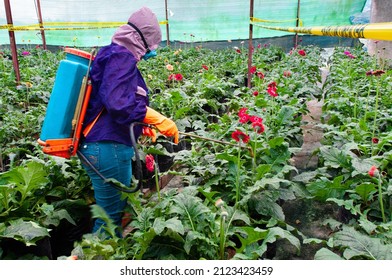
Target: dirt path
308,215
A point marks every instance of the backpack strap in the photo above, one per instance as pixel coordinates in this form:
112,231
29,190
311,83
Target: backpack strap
88,128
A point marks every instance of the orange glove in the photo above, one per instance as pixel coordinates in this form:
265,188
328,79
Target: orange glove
147,131
165,125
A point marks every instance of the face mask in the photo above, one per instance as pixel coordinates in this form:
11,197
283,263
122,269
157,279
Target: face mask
150,54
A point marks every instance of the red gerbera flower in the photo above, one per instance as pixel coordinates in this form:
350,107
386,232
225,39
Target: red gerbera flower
244,118
258,127
375,140
302,53
205,67
255,93
254,119
150,163
240,136
178,77
252,69
242,112
272,89
373,171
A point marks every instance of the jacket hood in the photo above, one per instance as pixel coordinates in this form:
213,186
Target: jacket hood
146,21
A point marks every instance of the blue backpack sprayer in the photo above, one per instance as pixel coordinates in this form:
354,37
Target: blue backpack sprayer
62,127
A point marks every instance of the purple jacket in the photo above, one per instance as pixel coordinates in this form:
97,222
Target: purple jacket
115,78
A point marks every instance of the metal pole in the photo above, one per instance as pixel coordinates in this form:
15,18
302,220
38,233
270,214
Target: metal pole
11,34
297,24
167,24
250,44
40,23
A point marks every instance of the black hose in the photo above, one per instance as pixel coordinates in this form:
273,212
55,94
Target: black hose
113,182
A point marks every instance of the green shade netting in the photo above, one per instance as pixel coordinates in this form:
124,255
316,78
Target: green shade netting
189,20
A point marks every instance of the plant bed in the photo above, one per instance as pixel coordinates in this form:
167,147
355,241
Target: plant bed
236,196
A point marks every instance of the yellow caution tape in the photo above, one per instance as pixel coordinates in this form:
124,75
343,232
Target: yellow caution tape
253,19
6,26
375,31
68,26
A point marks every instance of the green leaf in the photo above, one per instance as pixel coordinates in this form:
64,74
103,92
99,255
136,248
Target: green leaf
227,156
27,179
191,209
55,216
367,225
348,204
365,191
27,232
326,254
175,225
324,188
357,245
275,142
99,213
334,157
305,177
198,238
265,204
249,235
285,115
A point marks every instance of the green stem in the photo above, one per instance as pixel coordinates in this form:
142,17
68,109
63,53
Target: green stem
375,113
237,187
380,199
157,182
355,104
222,237
254,154
367,105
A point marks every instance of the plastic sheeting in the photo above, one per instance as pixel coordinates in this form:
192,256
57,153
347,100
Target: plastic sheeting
189,20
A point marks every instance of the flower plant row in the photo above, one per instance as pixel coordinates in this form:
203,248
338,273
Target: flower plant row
229,204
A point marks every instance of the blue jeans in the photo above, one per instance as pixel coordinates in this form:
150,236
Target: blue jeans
112,160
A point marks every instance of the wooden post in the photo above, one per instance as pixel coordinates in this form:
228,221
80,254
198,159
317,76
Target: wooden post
250,44
40,23
11,34
297,23
167,24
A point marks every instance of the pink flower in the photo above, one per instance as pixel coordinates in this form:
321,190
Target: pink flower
169,67
287,73
240,136
373,171
260,75
347,53
25,53
302,53
150,163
